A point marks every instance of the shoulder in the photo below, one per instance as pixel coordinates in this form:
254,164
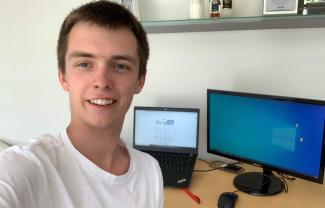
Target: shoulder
46,142
145,162
3,146
21,174
46,147
28,158
16,159
143,157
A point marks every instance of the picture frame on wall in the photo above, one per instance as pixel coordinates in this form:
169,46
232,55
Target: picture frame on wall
274,7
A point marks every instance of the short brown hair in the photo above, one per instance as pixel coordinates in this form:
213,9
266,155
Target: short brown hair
104,14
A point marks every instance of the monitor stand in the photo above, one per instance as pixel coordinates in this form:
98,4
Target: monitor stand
258,183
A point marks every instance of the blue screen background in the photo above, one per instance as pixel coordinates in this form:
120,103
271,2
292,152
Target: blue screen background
283,134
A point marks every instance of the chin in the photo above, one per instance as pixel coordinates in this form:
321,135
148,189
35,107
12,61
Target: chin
104,122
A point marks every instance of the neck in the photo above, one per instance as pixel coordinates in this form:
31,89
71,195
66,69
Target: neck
101,146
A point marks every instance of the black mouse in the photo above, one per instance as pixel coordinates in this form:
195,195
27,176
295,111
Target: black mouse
227,200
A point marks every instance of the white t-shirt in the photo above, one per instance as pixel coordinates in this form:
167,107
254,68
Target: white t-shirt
50,172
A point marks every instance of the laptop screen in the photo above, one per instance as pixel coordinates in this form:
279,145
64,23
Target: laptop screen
166,129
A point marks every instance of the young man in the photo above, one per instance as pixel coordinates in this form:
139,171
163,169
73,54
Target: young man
102,55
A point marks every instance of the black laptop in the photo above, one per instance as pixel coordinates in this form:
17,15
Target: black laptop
171,136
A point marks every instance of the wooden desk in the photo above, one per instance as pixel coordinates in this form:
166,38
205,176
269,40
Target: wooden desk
209,185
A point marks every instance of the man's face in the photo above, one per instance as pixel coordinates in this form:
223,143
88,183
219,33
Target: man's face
101,75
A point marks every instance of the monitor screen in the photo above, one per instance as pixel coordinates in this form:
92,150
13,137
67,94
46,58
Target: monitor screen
169,128
279,133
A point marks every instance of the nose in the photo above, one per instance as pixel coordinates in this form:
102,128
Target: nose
103,79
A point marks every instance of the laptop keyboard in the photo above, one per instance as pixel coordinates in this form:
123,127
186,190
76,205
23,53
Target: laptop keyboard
172,162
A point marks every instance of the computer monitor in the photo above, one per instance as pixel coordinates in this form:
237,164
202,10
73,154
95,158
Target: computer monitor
281,134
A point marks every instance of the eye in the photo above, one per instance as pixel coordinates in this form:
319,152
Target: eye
121,67
83,65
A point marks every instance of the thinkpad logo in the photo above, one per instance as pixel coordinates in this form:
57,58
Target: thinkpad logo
181,180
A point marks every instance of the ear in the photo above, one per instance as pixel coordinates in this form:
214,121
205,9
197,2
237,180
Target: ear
140,84
63,81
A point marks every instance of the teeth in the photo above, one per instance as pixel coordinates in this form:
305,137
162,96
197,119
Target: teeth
101,101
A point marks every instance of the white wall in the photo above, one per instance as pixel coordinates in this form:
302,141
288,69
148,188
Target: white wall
180,69
31,100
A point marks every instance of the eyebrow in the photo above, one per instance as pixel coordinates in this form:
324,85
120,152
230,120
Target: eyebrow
124,57
78,54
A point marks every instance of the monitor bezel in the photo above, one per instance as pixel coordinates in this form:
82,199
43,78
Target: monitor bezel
163,148
259,163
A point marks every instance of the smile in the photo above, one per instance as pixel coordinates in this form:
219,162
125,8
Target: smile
101,101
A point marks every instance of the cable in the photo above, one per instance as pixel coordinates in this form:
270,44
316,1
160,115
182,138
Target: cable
215,165
207,170
236,191
286,176
212,164
286,187
204,161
